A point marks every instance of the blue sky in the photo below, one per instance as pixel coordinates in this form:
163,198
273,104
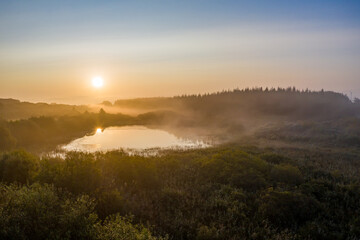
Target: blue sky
55,47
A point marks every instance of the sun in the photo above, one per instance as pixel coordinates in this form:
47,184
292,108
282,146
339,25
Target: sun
97,82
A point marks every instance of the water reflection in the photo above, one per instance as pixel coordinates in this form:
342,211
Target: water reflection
131,137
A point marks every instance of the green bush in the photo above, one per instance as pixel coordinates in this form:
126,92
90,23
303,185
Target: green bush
288,209
116,227
18,166
7,141
42,212
286,173
39,212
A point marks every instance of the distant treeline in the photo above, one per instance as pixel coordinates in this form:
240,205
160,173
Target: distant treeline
287,115
289,103
12,109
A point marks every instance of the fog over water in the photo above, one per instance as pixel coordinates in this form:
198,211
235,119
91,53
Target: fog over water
131,137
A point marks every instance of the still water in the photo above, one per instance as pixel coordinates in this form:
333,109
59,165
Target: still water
131,137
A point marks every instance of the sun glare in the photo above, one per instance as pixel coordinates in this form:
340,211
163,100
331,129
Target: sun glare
98,130
97,82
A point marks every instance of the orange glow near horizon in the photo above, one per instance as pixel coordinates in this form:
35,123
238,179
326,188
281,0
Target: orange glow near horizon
115,56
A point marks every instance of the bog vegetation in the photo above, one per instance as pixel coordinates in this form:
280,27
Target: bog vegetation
287,168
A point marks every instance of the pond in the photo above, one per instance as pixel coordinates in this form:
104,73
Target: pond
131,137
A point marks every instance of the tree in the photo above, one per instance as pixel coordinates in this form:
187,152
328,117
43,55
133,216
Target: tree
116,227
18,166
7,141
40,212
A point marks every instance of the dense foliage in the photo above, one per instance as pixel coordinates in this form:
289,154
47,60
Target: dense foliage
289,103
219,193
43,212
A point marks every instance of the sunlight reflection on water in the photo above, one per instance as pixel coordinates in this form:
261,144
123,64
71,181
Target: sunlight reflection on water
131,137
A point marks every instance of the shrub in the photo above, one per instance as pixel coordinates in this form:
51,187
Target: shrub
18,166
39,212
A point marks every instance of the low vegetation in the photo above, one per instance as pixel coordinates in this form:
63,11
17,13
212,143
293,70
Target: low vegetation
227,192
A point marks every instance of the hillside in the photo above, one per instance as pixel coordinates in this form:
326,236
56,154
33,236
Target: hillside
11,109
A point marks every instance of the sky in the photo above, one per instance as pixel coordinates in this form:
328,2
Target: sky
50,50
